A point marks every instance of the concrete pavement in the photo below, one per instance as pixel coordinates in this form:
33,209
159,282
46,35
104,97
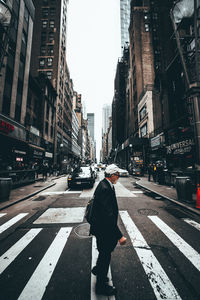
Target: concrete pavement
24,192
167,192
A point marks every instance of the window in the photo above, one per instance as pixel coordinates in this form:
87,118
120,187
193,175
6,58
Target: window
44,23
47,112
49,61
50,50
49,75
51,37
146,26
42,62
52,11
143,112
51,24
44,12
143,130
42,50
46,127
43,36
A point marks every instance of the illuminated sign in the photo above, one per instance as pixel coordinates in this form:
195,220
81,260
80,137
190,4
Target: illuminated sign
6,127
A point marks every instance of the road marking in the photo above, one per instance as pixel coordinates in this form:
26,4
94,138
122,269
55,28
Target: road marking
38,282
89,192
12,222
138,192
10,255
161,284
94,296
184,247
1,215
60,193
192,223
62,215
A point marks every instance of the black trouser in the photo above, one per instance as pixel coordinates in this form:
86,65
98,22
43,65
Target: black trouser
105,246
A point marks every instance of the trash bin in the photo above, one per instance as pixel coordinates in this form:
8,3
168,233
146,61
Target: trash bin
5,188
184,188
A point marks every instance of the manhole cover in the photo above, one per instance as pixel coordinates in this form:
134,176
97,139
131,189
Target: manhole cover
83,230
40,198
147,212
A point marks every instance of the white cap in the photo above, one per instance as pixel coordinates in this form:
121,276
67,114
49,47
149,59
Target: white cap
111,169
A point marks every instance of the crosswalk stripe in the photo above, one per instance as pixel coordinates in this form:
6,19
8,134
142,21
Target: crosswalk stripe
184,247
192,223
38,282
1,215
12,222
60,193
9,256
162,286
94,296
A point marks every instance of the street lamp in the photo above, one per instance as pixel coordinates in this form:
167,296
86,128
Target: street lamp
5,17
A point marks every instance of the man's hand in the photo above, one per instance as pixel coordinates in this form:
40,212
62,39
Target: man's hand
122,241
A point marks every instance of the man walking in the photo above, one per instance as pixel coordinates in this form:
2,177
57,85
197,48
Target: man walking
105,228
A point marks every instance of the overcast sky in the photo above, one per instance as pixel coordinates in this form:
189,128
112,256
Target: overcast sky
93,48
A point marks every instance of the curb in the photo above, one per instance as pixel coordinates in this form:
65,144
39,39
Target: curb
26,197
167,198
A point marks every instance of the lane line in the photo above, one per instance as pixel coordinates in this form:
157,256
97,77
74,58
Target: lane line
9,256
192,223
38,282
94,296
191,254
161,284
60,193
1,215
12,222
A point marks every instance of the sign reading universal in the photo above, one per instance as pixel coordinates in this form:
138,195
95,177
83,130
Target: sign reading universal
180,147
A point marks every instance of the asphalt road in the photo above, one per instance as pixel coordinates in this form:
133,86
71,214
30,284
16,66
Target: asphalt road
46,253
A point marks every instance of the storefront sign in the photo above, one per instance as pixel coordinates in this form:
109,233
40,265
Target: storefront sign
180,147
20,152
6,127
37,153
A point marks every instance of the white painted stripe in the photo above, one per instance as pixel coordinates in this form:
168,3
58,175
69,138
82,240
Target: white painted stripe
137,192
12,222
60,193
94,296
89,192
10,255
1,215
38,282
192,223
162,286
184,247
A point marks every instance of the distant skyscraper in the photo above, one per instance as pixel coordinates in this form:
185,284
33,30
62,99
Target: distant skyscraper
106,113
90,118
125,19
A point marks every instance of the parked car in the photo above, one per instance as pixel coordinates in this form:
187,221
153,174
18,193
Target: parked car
136,171
123,173
81,176
94,170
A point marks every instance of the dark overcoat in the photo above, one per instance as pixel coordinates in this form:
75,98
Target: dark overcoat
105,210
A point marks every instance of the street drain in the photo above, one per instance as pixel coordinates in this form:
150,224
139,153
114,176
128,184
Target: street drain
147,212
40,198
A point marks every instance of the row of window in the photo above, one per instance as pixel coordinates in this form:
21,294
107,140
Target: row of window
48,23
45,62
48,11
44,37
46,50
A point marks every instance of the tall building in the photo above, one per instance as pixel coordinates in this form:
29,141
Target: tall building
49,57
90,118
14,85
125,19
106,113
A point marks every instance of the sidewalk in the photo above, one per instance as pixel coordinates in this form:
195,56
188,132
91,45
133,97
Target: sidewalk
166,192
24,192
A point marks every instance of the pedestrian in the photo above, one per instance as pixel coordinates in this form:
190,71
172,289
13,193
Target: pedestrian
105,228
150,171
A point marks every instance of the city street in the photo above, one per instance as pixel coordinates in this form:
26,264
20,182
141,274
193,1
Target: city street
46,252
